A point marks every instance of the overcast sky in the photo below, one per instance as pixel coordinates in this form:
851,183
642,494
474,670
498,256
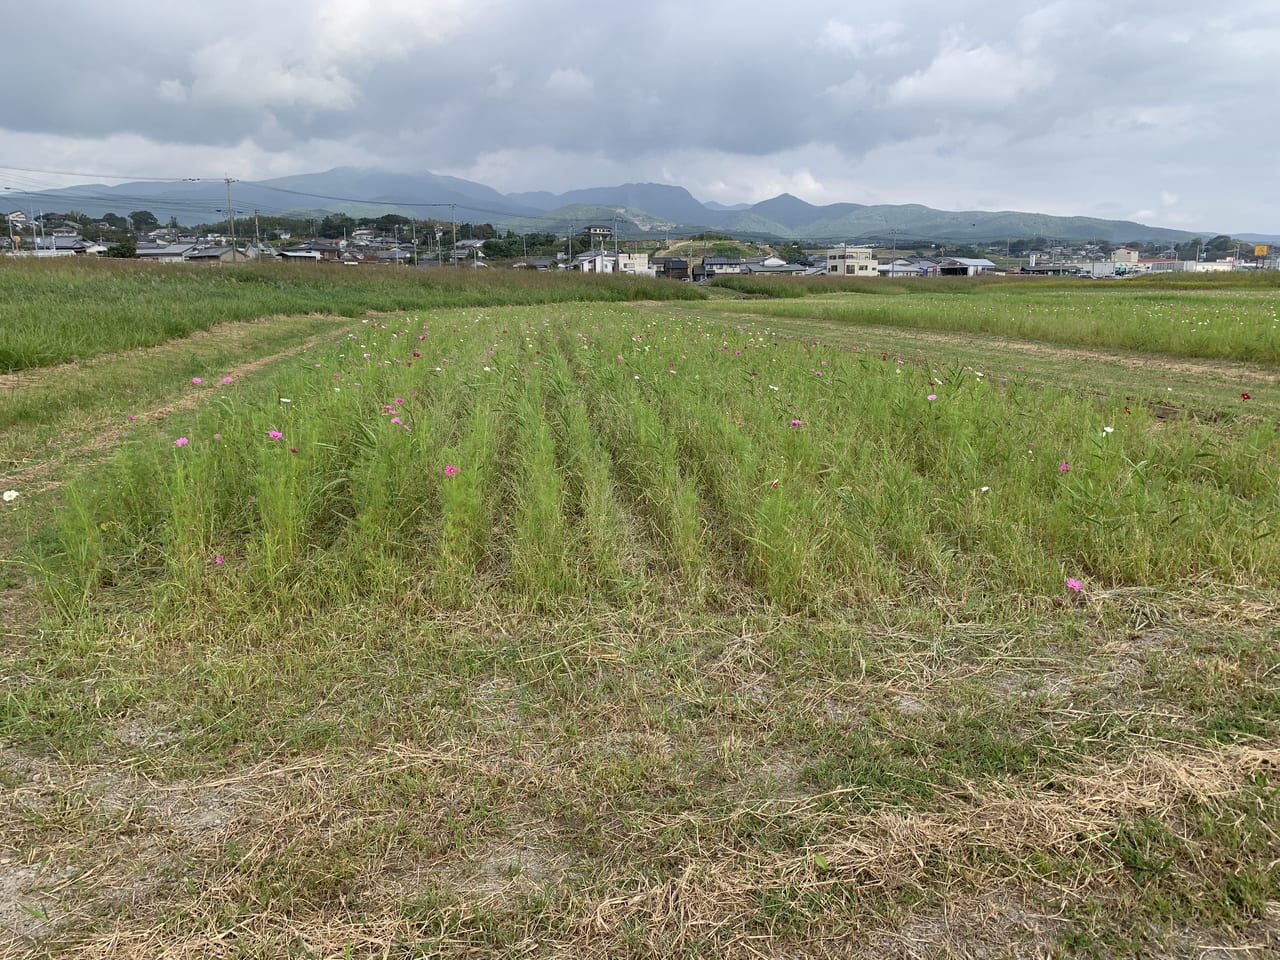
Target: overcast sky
1163,113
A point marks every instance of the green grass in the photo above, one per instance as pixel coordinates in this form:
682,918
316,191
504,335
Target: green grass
731,452
68,310
1227,323
655,672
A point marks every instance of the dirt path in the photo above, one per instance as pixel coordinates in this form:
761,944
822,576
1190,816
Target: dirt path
94,442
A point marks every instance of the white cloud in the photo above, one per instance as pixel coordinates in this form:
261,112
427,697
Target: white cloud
172,91
1064,106
977,78
568,83
863,39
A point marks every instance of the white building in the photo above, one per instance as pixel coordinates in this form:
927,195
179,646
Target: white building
846,261
636,264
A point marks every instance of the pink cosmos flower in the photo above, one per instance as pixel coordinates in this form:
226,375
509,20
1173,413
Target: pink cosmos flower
1074,585
218,559
275,434
227,380
196,380
797,423
451,470
181,442
1064,467
932,396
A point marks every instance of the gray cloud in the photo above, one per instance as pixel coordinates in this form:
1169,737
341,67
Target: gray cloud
1067,107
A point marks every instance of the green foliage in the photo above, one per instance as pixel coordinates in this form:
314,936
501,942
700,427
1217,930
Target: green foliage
125,249
143,220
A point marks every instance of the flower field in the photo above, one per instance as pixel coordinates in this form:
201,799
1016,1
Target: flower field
532,460
637,630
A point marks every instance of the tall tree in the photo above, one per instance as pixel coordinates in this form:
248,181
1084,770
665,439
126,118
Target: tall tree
144,220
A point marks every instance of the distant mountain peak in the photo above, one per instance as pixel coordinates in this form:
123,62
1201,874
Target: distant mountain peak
648,207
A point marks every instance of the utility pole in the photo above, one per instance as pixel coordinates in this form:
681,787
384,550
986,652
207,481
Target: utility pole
453,217
231,213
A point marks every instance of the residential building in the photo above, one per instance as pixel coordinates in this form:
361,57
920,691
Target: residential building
165,252
216,255
716,266
598,234
594,263
846,261
672,268
636,264
901,267
67,246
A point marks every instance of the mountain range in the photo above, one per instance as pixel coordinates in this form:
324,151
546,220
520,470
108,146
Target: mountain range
636,209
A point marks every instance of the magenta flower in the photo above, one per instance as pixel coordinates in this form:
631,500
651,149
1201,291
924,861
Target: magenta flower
1074,585
181,442
197,381
797,423
1064,467
451,470
218,559
932,396
275,434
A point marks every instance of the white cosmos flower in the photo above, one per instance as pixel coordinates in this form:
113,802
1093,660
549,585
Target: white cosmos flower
9,496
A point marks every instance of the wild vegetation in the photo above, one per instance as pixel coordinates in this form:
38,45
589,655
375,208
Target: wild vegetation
1233,319
666,629
71,309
